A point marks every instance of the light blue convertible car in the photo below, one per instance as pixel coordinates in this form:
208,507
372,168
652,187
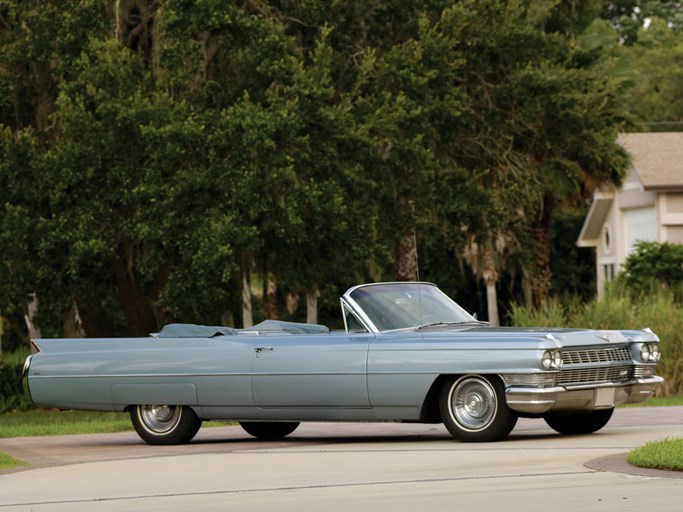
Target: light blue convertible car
407,353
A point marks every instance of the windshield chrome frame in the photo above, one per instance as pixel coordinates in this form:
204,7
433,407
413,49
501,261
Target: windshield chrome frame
354,307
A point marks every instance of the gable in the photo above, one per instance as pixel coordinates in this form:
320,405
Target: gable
657,158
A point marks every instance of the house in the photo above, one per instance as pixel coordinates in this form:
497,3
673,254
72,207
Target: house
648,206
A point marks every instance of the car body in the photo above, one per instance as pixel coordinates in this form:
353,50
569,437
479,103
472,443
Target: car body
407,353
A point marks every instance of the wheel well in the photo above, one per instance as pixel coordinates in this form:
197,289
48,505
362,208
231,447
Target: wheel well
130,407
430,407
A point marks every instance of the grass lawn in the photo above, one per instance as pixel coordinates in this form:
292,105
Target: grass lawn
7,462
665,454
657,402
44,422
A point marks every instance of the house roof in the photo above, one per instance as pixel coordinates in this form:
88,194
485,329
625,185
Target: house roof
592,225
657,158
656,162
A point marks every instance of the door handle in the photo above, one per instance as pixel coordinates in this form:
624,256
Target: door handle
258,350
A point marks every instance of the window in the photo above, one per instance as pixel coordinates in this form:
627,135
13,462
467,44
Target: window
639,224
607,239
352,322
608,272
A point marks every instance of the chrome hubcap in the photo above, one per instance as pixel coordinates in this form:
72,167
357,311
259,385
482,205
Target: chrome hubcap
159,418
473,403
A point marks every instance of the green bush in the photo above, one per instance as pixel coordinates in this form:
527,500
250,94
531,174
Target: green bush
12,394
654,265
622,308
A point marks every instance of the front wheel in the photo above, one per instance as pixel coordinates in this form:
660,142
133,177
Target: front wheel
575,423
473,409
165,424
269,430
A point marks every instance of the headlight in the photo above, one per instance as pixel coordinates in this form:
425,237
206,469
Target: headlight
649,352
551,359
654,352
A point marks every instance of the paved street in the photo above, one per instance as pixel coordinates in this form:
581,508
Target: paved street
349,467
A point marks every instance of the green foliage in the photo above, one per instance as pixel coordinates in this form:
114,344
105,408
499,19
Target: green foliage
654,264
145,169
555,315
573,268
623,309
640,46
12,395
629,16
656,94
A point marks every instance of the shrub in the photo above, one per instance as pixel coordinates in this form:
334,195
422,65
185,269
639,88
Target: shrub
622,309
12,394
652,265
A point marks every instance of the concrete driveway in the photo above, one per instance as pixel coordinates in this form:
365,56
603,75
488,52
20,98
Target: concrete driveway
349,467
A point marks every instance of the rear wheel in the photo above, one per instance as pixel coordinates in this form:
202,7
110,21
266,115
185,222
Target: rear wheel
165,424
574,423
473,409
269,429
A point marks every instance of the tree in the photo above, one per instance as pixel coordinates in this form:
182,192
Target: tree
187,146
538,125
629,17
656,97
654,264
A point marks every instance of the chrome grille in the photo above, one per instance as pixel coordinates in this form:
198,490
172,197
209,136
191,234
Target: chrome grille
598,374
601,355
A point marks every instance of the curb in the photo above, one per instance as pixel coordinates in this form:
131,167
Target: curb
618,464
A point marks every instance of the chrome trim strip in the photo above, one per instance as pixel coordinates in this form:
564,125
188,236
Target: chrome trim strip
561,389
24,377
166,375
655,379
346,306
360,314
136,375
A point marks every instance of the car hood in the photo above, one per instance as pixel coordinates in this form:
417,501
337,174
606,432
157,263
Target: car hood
563,337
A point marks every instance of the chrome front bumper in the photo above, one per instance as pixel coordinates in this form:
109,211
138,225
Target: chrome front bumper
532,400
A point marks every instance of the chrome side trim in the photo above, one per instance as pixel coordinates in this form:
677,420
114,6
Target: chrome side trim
185,375
353,306
24,376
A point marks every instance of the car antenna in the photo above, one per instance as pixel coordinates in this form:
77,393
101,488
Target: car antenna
419,290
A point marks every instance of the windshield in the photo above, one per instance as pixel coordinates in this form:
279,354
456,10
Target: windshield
401,305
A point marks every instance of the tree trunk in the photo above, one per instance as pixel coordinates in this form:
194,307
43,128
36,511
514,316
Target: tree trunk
33,331
273,309
490,276
135,25
406,259
43,101
137,308
96,323
541,233
312,306
492,303
247,316
73,324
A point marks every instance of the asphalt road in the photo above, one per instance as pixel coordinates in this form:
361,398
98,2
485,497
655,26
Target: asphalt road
349,467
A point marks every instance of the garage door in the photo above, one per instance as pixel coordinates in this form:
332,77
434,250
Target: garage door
639,224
